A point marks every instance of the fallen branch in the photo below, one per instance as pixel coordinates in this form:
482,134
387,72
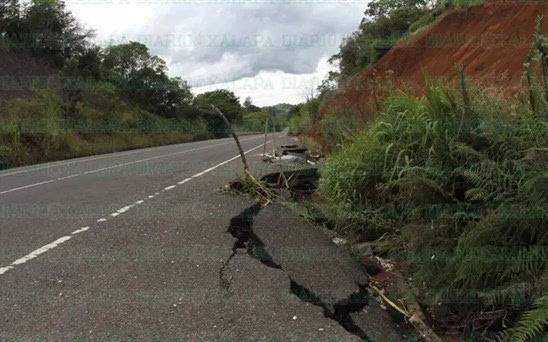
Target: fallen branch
229,126
265,137
259,188
414,318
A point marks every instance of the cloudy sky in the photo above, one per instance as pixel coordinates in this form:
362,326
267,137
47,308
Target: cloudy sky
272,50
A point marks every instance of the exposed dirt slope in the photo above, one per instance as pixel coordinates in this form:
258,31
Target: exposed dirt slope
491,40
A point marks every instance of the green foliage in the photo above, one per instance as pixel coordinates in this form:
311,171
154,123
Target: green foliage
226,101
460,3
537,63
532,323
305,117
143,78
121,94
44,27
459,182
249,107
35,129
386,22
255,121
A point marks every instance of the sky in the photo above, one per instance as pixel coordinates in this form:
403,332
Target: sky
274,51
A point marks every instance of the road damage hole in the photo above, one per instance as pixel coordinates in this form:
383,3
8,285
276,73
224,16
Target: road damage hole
341,311
300,183
241,228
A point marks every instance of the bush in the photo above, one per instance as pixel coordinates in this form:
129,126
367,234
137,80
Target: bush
460,183
307,117
5,156
37,128
255,122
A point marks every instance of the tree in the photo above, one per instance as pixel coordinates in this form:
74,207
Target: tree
249,107
255,121
10,18
226,101
130,58
385,23
50,30
143,78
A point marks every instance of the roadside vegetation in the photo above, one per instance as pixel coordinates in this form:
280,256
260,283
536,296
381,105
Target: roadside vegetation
452,185
460,191
386,22
95,99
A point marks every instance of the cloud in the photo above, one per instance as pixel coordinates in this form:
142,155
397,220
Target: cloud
212,42
272,87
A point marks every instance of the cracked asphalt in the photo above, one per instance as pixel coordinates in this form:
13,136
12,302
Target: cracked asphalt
142,245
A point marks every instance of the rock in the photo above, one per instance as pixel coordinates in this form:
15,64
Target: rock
386,265
362,249
340,242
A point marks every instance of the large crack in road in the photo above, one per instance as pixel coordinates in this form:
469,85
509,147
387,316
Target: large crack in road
241,228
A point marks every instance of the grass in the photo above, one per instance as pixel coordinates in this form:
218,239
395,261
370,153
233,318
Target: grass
457,181
39,128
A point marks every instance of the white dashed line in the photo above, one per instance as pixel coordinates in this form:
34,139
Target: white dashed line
5,269
40,250
124,209
88,159
81,230
64,239
171,187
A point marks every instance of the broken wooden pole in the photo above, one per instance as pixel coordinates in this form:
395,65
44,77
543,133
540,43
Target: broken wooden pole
227,123
265,137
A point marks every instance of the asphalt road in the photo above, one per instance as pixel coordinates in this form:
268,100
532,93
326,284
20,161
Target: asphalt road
134,246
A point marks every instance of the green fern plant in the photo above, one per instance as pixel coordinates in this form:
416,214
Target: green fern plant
532,325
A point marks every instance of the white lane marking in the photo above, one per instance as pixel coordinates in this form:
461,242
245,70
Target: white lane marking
5,269
151,196
81,230
124,209
87,159
28,186
63,239
40,250
152,158
171,187
184,181
114,214
68,177
140,202
78,160
113,167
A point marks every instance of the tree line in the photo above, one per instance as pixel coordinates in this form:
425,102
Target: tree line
49,31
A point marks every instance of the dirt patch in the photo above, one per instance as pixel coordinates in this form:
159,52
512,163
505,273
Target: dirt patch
491,40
